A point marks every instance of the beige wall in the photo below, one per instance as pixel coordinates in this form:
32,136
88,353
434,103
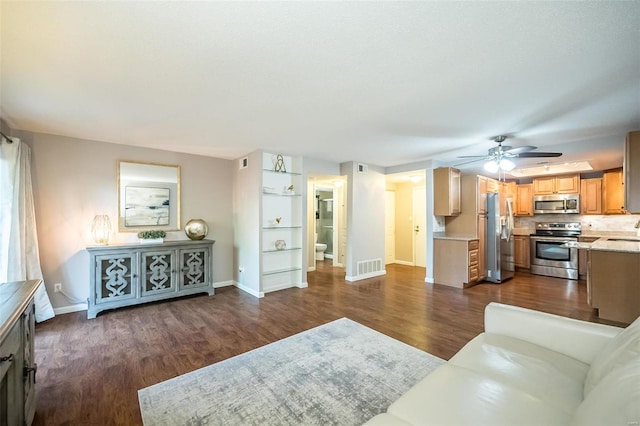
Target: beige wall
74,179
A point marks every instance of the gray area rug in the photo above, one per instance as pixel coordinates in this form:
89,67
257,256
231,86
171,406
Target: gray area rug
340,373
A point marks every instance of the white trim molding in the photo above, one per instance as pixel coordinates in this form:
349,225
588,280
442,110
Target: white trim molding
365,276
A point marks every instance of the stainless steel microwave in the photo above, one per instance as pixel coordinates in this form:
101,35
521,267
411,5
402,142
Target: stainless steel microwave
556,203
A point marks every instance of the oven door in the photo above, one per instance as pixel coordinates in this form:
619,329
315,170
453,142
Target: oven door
549,251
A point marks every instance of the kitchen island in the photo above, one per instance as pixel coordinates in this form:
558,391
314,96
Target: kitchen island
613,278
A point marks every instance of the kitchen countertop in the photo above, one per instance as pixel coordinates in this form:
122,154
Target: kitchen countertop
441,236
623,243
523,231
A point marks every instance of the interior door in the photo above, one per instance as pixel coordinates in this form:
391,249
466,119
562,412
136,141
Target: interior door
420,226
389,227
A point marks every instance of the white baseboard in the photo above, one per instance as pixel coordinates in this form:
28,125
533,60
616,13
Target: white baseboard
429,280
223,284
365,276
71,308
246,289
311,268
302,285
404,262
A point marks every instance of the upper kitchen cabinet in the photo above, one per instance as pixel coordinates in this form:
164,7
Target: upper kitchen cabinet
568,184
446,185
613,192
524,200
591,196
506,190
632,172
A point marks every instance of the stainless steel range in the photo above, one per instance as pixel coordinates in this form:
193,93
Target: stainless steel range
548,254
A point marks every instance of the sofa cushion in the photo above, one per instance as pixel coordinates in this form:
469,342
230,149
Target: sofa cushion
497,380
614,401
620,350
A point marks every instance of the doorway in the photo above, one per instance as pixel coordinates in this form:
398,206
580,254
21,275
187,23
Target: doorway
327,221
405,219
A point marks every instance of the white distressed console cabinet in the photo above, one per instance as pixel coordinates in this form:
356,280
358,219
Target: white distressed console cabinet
131,274
17,364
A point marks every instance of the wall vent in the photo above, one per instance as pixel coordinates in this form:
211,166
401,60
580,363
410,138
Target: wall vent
371,267
243,163
363,168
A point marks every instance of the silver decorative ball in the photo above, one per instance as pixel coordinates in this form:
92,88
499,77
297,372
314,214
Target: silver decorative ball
196,229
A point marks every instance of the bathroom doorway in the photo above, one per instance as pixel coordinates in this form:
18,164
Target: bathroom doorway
327,221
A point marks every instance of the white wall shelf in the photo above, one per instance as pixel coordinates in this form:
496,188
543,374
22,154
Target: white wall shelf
282,200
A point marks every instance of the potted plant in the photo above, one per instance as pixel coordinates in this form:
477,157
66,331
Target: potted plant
151,237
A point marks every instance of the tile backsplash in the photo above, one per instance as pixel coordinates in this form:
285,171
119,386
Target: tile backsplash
618,222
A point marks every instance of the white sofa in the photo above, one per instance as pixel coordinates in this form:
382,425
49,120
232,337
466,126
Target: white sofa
530,368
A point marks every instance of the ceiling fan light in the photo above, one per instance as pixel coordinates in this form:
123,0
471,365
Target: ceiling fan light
506,165
491,166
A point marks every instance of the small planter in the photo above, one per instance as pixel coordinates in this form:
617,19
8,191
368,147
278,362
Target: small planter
151,240
151,237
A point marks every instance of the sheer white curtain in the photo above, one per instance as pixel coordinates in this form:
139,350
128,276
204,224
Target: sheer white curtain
19,258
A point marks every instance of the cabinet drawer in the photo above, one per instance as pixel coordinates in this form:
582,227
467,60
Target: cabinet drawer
474,273
10,346
473,245
473,257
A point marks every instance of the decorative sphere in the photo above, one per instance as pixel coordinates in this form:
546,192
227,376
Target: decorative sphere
196,229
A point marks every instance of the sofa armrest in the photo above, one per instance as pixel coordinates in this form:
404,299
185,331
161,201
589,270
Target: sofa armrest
581,340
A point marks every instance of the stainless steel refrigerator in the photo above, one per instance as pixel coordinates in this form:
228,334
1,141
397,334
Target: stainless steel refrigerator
500,252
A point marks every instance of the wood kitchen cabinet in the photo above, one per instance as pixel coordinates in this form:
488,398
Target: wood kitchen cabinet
632,172
522,250
507,190
455,262
566,184
524,200
472,220
446,185
613,284
591,196
583,264
613,192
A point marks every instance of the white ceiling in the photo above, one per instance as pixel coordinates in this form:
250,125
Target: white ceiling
386,83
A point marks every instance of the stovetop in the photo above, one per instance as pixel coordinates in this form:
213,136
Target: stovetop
558,229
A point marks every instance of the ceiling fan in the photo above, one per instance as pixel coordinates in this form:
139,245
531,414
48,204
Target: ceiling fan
499,158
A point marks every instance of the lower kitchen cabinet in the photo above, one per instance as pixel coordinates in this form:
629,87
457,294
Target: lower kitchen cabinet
613,286
125,275
522,250
456,262
583,263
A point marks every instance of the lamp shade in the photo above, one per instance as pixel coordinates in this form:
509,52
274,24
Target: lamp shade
506,165
491,166
101,228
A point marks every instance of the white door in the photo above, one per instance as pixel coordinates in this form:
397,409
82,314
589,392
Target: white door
420,226
390,227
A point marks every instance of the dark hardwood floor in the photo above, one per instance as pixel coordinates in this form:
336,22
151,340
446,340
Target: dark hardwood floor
89,371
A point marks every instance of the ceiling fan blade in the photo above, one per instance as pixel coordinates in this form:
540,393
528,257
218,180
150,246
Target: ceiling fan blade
520,149
477,158
538,154
473,156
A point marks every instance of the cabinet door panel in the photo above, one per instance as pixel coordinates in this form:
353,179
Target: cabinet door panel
591,196
613,192
115,276
193,268
157,272
544,186
568,184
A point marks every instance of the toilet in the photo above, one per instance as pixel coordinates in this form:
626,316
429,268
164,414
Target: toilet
320,248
